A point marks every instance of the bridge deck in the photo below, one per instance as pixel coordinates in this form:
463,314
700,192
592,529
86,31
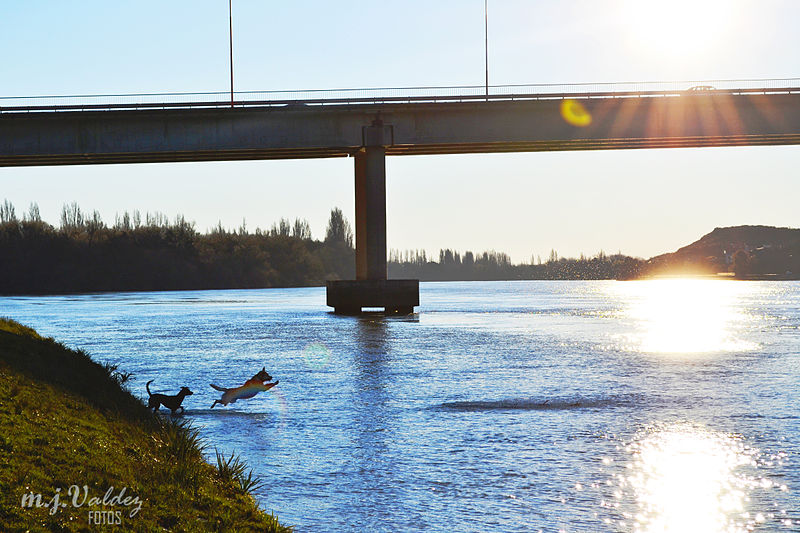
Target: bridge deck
418,124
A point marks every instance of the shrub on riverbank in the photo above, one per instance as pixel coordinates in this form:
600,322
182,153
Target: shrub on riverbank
66,421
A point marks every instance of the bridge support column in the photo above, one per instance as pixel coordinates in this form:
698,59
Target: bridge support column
371,213
361,215
371,287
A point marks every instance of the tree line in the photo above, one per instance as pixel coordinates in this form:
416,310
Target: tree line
151,252
491,265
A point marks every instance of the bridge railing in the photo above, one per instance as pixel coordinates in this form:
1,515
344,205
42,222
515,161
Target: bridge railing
383,95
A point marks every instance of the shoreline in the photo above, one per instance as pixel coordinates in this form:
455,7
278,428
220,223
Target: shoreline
81,451
719,277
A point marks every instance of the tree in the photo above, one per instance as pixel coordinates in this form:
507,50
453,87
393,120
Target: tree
281,229
123,223
301,230
33,213
339,229
7,213
741,264
94,225
469,259
157,220
71,219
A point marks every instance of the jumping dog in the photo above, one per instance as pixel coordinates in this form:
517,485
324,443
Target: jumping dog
250,388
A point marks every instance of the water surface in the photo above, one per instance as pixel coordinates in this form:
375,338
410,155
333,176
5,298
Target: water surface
508,406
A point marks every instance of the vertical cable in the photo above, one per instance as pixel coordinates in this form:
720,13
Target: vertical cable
486,42
230,34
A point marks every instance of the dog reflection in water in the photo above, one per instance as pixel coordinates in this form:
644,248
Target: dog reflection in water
250,388
173,402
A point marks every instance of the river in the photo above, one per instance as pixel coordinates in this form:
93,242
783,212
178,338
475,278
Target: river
669,405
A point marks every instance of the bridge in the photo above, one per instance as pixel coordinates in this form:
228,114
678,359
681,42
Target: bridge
369,124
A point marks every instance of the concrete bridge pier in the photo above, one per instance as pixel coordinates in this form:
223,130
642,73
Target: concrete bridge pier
371,288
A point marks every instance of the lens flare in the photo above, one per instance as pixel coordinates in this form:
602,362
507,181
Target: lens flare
316,355
575,113
277,397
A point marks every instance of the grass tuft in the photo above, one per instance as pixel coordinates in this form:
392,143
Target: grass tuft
232,470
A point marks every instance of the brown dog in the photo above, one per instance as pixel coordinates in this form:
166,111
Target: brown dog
173,403
250,388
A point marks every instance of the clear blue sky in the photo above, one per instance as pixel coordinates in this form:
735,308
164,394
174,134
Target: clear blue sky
641,202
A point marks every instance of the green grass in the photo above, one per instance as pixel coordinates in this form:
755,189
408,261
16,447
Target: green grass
67,420
233,469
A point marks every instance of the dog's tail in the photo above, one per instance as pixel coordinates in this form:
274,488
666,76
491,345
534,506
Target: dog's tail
222,389
147,386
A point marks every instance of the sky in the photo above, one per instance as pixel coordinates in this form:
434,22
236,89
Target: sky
639,202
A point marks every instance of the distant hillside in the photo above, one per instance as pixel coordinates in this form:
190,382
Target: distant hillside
745,251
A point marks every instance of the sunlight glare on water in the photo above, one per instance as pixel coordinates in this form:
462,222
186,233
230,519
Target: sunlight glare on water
686,479
686,316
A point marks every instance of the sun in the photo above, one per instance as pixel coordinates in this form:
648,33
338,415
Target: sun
677,29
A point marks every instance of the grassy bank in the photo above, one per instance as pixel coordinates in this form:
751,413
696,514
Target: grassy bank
66,421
